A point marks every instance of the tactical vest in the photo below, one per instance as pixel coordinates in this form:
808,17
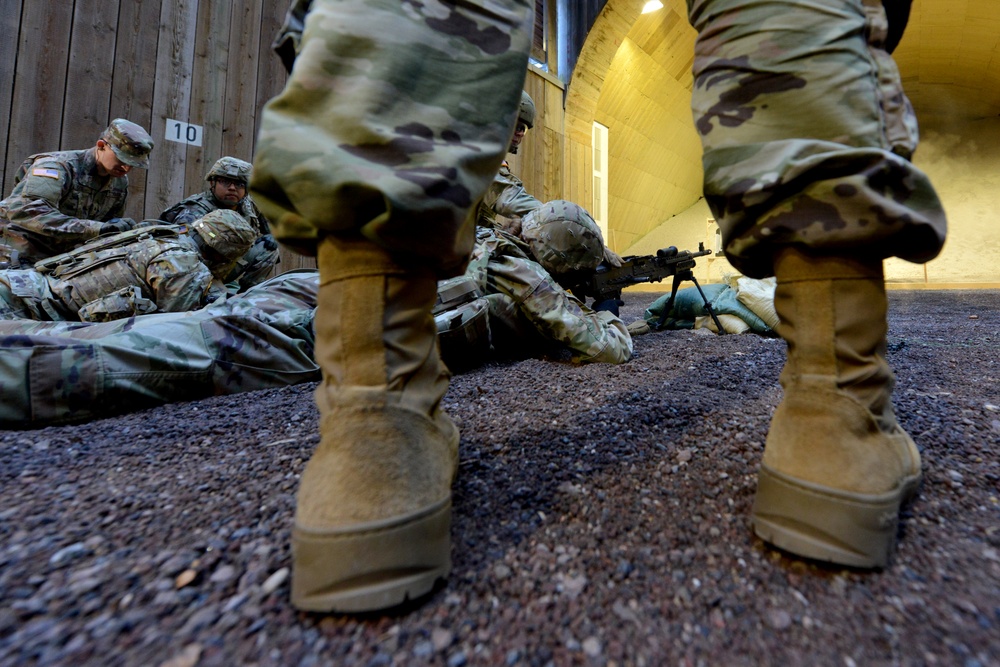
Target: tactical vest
110,264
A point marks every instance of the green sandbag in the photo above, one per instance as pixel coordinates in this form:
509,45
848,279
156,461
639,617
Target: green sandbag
688,306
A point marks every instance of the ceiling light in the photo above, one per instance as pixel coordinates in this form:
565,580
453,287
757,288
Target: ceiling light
652,6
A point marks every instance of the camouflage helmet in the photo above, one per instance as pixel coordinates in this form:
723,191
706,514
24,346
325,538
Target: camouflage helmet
563,237
226,232
231,168
526,112
129,142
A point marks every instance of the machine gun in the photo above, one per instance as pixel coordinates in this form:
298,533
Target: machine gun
607,282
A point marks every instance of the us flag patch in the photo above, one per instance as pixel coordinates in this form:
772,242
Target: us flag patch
42,171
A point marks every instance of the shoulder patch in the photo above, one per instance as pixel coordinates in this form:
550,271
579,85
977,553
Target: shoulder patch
47,173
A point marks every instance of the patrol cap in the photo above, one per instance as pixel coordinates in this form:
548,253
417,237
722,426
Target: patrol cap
563,237
231,168
226,232
130,143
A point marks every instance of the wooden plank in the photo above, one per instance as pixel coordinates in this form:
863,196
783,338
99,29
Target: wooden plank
132,87
271,75
91,57
36,104
171,99
10,23
208,89
241,84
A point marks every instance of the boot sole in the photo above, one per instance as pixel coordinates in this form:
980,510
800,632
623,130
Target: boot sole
373,566
812,521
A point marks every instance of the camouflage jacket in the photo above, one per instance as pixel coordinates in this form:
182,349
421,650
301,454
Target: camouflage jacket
58,203
57,372
505,202
146,273
257,264
526,304
196,206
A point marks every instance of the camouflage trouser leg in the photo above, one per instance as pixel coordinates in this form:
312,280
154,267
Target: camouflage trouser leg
807,132
25,295
394,121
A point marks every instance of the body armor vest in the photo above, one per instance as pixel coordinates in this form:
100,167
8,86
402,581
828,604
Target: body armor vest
107,265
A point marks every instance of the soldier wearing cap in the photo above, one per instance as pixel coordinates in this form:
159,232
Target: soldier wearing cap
228,180
154,268
63,199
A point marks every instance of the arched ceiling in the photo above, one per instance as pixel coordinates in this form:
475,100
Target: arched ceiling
633,75
950,59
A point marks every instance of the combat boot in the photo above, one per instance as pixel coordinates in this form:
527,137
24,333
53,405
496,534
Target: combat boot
836,465
373,513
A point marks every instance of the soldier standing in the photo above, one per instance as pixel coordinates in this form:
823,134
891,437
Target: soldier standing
228,180
63,199
375,169
807,138
158,268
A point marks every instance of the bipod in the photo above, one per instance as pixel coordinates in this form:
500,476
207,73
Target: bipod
679,277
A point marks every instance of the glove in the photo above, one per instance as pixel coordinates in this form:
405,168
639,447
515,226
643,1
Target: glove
610,305
611,258
115,225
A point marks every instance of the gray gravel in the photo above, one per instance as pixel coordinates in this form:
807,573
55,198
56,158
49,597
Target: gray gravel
601,518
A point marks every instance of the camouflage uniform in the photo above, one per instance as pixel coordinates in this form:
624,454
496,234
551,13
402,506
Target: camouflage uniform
528,307
329,162
153,268
153,273
807,136
505,198
392,124
60,201
57,372
807,146
254,267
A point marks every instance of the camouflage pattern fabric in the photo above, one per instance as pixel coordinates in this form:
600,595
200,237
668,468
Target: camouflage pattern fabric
130,143
527,307
53,373
164,273
255,266
506,202
392,124
58,203
807,132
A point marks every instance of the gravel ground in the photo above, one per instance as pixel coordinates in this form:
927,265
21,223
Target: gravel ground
601,518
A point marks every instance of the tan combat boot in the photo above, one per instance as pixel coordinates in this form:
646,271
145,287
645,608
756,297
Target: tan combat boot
836,465
373,515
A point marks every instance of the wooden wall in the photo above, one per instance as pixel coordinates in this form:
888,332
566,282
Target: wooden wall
71,66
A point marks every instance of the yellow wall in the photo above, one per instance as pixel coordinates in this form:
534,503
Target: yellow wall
633,76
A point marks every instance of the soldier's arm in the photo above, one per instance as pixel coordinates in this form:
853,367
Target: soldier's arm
33,208
179,281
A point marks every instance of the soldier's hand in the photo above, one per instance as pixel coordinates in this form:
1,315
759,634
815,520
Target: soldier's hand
115,225
612,258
